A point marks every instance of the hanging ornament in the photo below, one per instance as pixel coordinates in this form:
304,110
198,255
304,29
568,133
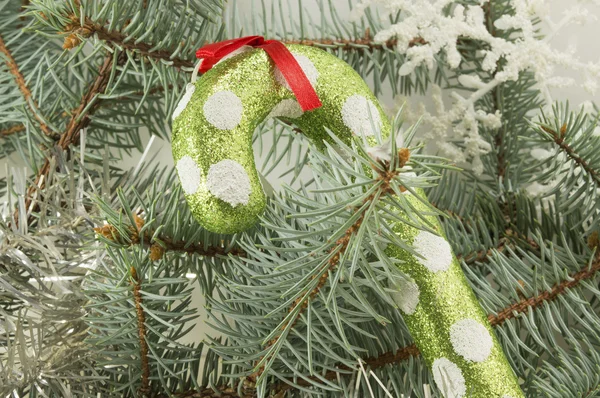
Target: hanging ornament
248,80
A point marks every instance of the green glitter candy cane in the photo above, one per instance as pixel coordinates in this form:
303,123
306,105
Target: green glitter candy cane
212,148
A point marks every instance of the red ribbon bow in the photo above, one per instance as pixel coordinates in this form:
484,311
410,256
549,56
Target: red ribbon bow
281,56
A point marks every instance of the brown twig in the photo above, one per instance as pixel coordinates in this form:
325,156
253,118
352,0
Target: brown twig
145,49
523,306
199,249
483,255
12,130
141,321
13,67
354,44
19,127
157,250
509,238
118,39
560,141
373,363
110,232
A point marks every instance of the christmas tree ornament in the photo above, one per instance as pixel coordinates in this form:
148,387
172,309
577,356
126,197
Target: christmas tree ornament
248,80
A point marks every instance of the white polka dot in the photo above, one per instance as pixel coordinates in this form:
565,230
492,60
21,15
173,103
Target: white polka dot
189,174
360,115
436,251
448,378
228,181
241,50
287,108
223,110
189,90
308,68
471,340
407,296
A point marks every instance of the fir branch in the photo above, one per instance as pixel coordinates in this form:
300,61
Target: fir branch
386,175
141,321
19,127
118,39
160,244
194,248
592,392
452,214
509,238
484,254
402,354
13,67
366,43
77,123
523,306
494,93
559,140
224,392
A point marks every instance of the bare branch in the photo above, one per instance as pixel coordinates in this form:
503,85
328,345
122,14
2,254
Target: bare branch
13,67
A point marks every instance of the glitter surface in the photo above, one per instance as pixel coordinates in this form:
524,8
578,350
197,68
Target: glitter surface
446,298
442,296
233,98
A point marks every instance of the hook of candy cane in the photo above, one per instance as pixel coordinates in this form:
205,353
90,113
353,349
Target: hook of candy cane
212,147
214,122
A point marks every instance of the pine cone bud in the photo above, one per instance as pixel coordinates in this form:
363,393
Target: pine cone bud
71,41
156,252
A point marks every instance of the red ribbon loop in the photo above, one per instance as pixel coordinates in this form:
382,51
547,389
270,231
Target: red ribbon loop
282,57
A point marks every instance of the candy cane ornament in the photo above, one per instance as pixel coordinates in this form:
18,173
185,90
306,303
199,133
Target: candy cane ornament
212,148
